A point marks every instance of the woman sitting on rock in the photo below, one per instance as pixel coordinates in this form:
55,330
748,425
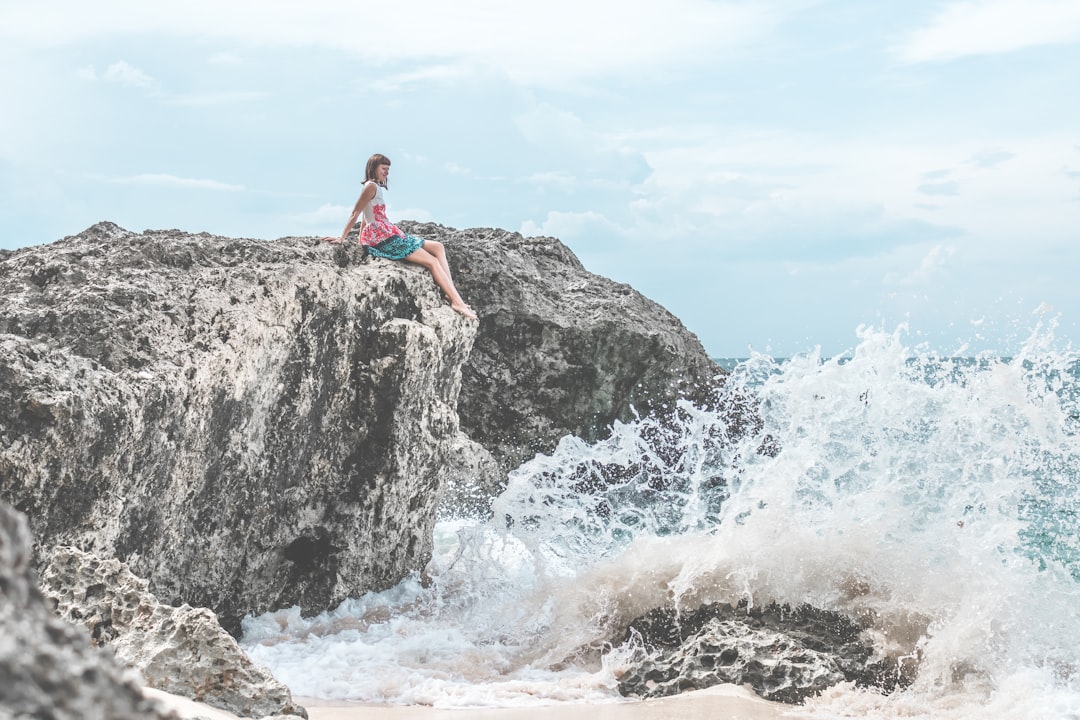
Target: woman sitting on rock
383,239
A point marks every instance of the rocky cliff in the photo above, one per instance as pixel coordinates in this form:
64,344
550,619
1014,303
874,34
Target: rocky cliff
250,425
560,350
253,425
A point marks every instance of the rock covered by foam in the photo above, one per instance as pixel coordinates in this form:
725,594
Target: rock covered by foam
48,668
785,654
179,650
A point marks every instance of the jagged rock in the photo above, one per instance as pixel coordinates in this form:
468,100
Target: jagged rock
786,654
250,425
180,650
561,351
47,667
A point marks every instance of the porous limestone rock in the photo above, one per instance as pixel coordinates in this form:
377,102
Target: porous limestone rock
252,425
561,351
48,668
249,425
180,650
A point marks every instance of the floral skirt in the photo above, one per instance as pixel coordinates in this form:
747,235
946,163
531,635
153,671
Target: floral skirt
396,247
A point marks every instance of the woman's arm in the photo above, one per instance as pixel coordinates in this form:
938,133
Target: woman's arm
365,197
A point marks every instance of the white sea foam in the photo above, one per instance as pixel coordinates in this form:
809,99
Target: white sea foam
935,501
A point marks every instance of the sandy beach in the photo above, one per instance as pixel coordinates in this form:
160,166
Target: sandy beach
723,702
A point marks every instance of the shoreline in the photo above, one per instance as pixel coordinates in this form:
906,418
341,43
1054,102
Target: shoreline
721,702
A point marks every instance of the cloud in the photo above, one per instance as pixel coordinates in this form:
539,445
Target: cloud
590,227
949,187
933,264
121,73
985,27
597,156
558,42
991,158
431,73
325,215
127,75
173,181
215,99
556,179
223,58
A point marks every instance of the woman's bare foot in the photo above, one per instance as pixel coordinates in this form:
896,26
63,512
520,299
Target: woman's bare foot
464,310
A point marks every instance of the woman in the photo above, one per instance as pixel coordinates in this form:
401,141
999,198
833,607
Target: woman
383,239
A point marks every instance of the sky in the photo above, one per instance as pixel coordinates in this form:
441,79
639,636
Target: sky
778,173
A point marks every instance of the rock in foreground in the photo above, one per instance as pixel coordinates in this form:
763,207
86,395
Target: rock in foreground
179,650
47,667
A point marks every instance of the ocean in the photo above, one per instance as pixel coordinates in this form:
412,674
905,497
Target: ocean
934,498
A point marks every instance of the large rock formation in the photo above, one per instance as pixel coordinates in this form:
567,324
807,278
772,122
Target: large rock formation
47,667
179,650
250,425
561,351
253,425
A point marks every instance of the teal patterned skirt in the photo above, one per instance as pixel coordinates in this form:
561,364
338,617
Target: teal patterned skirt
396,247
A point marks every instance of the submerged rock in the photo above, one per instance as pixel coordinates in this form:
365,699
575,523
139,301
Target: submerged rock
249,425
47,667
179,650
785,654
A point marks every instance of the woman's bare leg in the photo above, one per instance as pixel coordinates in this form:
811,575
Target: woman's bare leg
436,248
442,279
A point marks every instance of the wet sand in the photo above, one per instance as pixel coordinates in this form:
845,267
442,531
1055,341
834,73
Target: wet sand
724,702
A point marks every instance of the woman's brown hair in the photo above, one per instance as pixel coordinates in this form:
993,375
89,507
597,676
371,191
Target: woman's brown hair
373,164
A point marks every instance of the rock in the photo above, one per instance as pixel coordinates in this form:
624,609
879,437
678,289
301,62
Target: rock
254,425
47,667
180,650
786,654
561,351
250,425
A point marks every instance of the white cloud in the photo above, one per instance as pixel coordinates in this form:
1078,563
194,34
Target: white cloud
432,73
555,42
324,216
559,179
127,75
173,181
948,187
124,74
226,59
985,27
415,214
933,263
214,99
581,226
120,73
775,196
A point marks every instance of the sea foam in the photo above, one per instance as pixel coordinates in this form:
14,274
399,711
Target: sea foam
932,499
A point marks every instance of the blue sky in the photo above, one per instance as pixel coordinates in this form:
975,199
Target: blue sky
776,173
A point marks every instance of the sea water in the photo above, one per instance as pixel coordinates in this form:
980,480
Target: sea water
933,499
